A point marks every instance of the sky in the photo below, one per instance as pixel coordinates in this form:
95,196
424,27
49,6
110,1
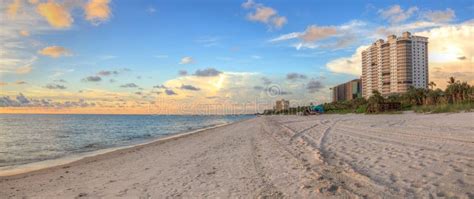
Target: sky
210,56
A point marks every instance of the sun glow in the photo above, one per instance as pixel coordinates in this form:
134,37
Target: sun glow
217,83
449,54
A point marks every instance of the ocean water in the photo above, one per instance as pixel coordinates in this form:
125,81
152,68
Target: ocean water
32,138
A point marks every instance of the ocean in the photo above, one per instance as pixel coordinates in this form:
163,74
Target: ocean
33,138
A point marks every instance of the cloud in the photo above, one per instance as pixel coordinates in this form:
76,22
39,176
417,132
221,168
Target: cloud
160,86
395,14
186,60
263,14
341,42
248,4
295,76
22,101
285,93
24,69
92,79
129,85
182,73
189,87
54,51
314,33
61,80
97,11
6,101
24,33
314,86
451,52
107,72
55,86
33,1
15,65
440,16
242,87
278,22
382,32
288,36
208,41
15,50
17,83
208,72
13,8
151,10
56,14
266,81
170,92
348,65
302,45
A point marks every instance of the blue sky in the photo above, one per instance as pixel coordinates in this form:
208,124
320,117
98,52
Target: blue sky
145,42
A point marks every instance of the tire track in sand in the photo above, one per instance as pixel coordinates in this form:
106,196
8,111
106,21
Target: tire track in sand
268,190
345,177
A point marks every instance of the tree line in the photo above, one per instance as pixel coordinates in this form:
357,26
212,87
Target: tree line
457,96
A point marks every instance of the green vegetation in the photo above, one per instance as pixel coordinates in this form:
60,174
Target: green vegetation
458,96
444,108
290,111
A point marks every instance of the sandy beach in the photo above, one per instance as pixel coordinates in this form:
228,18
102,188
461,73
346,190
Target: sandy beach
327,156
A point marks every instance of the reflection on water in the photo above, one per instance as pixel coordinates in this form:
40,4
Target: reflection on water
31,138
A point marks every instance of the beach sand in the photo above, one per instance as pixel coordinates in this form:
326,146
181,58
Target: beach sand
326,156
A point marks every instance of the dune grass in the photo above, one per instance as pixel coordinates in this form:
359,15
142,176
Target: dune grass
444,108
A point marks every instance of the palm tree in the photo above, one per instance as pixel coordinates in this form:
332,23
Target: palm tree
464,89
434,96
374,102
452,89
432,85
394,97
412,95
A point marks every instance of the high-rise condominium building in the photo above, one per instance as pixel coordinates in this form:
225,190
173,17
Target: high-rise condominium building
394,65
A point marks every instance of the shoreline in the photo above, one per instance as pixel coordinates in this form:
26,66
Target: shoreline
11,171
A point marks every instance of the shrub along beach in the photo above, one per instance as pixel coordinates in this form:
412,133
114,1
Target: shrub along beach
458,96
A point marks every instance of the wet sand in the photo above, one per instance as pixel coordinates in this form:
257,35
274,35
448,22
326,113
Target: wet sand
327,156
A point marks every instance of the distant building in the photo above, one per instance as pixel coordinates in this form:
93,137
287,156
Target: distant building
395,65
282,105
347,91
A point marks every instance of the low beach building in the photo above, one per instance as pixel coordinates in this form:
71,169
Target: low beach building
347,91
282,105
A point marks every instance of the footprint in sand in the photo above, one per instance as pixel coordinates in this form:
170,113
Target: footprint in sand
394,177
416,167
